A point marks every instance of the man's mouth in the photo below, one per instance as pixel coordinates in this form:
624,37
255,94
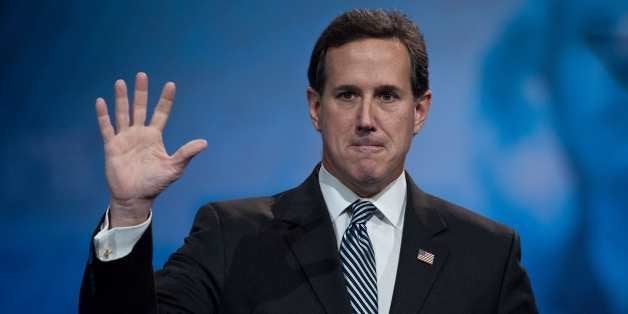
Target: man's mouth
367,147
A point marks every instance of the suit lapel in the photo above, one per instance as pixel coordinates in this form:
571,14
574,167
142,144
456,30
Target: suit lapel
414,277
311,238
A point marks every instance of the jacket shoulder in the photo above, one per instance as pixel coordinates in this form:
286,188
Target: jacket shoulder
469,224
245,212
251,210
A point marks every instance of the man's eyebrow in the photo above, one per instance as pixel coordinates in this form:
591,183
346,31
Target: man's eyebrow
387,88
378,89
347,87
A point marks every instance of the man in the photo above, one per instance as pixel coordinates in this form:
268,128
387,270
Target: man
357,236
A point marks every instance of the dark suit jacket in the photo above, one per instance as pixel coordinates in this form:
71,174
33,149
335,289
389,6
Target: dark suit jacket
279,255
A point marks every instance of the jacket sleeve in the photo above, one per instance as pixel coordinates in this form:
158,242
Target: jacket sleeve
516,292
190,281
121,286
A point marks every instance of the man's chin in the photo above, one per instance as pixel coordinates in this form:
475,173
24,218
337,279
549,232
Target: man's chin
366,174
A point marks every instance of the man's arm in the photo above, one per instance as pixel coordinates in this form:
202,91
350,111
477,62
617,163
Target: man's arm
123,285
516,292
137,169
190,281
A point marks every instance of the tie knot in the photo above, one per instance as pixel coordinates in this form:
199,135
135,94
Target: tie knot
361,211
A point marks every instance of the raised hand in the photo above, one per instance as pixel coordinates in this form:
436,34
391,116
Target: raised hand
137,165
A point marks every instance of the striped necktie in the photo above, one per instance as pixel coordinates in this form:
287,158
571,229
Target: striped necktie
358,260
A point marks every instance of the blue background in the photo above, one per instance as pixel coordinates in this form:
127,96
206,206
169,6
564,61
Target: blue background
528,126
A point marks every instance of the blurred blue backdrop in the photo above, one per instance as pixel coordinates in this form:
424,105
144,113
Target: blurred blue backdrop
529,126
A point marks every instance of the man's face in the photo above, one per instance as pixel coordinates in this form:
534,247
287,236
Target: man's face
367,114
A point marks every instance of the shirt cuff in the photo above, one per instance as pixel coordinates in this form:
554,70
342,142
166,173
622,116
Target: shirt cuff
116,243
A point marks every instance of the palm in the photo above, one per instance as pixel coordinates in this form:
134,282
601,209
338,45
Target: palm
137,165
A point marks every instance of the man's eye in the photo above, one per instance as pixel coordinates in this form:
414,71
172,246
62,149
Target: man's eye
346,95
388,97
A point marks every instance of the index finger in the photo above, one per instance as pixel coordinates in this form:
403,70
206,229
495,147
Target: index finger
106,130
162,111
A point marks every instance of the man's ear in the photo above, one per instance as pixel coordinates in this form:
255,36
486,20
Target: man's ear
421,108
314,105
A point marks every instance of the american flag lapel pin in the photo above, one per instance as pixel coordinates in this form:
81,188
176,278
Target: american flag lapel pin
425,257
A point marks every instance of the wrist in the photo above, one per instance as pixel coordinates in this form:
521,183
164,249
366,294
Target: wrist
128,213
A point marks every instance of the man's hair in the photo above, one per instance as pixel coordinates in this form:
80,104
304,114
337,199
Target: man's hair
361,24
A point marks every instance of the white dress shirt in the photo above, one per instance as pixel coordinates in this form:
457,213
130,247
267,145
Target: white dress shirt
384,229
115,243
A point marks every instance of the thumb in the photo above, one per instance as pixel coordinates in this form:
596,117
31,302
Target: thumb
184,154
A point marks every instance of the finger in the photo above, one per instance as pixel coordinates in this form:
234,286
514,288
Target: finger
162,111
140,98
184,154
122,106
106,130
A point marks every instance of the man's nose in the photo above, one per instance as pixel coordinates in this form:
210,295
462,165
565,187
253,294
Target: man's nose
365,121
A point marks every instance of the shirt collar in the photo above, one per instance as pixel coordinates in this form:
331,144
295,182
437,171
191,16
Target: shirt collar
390,201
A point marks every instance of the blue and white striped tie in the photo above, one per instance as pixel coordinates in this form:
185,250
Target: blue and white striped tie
358,260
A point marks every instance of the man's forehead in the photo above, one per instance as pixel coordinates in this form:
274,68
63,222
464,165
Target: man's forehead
366,46
369,59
